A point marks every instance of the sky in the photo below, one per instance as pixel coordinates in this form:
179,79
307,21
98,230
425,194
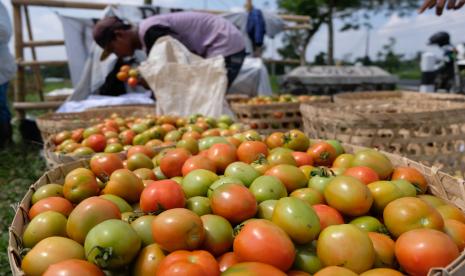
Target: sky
411,32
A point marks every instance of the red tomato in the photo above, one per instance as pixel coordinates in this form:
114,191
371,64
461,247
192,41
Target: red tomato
97,142
184,262
222,155
253,269
275,140
133,82
234,202
322,153
328,215
348,195
413,176
54,203
249,151
227,260
148,260
198,162
365,174
178,229
73,267
161,195
145,174
127,136
171,164
263,241
88,214
76,134
191,134
103,165
419,250
125,184
449,211
302,158
148,151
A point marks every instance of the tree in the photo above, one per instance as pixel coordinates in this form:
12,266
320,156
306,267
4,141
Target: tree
324,11
387,58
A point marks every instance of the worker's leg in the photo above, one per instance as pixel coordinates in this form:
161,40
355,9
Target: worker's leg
5,115
233,65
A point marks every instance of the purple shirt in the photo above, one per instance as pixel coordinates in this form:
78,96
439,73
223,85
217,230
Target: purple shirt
203,34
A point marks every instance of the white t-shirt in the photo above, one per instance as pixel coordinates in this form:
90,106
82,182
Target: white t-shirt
7,62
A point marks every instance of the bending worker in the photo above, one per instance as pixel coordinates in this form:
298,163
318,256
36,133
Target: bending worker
203,34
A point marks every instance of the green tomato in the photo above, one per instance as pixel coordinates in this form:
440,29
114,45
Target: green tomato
383,192
114,148
225,119
374,160
159,174
143,228
112,244
139,160
244,172
139,128
197,182
141,139
297,219
306,259
199,205
218,234
207,142
223,180
44,225
267,187
369,224
122,204
319,183
407,188
309,195
47,190
266,208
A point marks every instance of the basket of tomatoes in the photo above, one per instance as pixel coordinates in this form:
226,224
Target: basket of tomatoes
428,131
276,205
52,123
354,97
117,134
268,114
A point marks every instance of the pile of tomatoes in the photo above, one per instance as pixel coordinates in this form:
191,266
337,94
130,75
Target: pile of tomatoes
129,75
116,134
242,205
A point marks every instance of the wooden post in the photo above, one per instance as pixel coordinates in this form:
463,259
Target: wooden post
35,69
19,53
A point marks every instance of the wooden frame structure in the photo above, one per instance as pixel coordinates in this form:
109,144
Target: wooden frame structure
20,9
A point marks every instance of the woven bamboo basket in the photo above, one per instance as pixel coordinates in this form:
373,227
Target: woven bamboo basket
268,118
54,159
432,132
236,98
352,97
440,184
53,123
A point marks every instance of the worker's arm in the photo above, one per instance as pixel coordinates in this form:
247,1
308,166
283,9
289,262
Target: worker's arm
154,33
440,4
5,25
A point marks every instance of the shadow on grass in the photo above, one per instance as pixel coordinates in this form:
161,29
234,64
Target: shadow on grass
21,165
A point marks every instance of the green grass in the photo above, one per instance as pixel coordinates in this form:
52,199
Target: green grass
409,74
21,164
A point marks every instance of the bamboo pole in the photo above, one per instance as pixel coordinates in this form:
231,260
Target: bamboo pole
35,68
42,43
19,53
101,6
42,62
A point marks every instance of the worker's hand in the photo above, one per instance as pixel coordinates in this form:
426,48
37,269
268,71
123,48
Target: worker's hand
440,4
144,83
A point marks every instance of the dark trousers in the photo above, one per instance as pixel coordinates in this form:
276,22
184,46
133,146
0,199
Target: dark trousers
233,65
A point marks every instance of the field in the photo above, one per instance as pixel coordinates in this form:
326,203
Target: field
20,165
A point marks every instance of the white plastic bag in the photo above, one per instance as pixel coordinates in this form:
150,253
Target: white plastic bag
184,83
